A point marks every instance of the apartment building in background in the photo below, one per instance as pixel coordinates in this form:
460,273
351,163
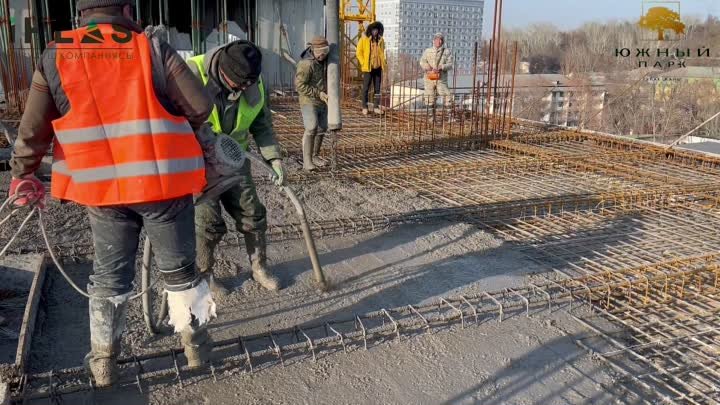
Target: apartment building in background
411,24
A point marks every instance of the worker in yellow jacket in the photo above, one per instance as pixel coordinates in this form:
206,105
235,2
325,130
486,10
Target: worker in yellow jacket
371,55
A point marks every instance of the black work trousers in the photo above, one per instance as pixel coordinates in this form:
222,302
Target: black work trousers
169,224
374,76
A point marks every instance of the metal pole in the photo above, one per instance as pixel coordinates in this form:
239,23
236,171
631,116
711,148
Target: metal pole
694,129
34,42
193,35
512,89
219,19
203,15
473,93
333,72
167,20
166,11
333,69
48,25
72,15
11,78
137,12
224,22
248,20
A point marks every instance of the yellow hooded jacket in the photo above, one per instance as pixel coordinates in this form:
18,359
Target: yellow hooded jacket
363,48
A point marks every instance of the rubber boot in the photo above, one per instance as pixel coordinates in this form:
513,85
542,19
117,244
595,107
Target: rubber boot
198,345
307,147
107,323
317,144
378,107
205,260
256,246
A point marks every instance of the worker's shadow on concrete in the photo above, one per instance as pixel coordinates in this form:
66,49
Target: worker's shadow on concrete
61,337
599,246
535,376
408,279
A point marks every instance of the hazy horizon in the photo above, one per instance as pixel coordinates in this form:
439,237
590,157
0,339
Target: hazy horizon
570,14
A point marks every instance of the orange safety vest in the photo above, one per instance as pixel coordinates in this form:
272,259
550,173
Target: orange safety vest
118,145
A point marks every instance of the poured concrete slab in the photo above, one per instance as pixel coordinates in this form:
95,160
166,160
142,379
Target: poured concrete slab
21,280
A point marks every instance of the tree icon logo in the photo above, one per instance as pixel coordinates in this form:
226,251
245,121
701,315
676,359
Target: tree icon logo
662,19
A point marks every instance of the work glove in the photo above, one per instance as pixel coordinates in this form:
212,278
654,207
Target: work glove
324,97
28,191
279,172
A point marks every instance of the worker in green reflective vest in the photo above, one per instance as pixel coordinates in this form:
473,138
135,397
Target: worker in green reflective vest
231,74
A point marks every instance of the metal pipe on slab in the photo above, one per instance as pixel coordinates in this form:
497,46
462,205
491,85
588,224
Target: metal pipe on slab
307,233
333,68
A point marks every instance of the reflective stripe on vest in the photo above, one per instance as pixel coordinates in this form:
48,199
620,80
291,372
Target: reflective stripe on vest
118,145
246,113
158,167
128,128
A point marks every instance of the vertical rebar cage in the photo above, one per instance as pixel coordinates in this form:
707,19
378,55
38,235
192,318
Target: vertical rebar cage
16,60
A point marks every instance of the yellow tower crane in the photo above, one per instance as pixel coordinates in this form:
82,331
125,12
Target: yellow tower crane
355,15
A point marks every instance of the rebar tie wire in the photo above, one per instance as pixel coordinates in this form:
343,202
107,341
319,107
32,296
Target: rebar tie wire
34,204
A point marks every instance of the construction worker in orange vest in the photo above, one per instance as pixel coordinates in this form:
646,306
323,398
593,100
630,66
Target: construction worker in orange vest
123,108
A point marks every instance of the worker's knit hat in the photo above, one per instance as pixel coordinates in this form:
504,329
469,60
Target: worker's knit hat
241,61
319,42
320,46
83,5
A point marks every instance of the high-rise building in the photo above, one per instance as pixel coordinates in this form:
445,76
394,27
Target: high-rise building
411,24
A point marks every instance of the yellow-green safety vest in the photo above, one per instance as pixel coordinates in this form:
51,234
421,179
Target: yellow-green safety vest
246,113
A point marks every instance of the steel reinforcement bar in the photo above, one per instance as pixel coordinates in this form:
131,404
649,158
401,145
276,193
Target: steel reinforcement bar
252,353
496,214
672,329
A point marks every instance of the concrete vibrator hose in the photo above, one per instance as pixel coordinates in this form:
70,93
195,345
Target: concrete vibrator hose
155,324
34,208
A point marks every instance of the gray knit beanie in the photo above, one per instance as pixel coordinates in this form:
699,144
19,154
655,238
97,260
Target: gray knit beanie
83,5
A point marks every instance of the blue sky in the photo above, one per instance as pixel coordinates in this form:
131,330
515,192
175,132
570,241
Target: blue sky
568,14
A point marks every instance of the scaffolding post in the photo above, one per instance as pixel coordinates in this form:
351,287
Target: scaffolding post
225,37
193,23
137,12
333,69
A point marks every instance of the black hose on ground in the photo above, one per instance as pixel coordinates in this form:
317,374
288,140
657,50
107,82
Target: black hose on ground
155,325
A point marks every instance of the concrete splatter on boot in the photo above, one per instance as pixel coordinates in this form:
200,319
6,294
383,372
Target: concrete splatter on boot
107,323
256,246
198,345
307,148
205,261
317,145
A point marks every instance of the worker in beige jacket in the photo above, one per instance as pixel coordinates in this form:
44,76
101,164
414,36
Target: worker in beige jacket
436,62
